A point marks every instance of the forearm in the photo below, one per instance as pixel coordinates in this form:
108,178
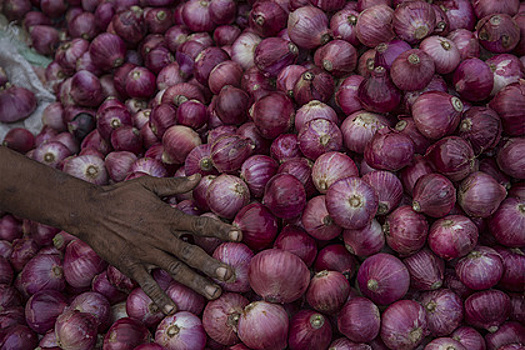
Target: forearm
38,192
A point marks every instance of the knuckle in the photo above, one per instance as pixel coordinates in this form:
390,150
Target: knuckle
175,267
200,224
188,251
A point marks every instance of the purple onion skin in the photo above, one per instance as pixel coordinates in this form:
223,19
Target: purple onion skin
43,308
359,320
19,337
444,311
295,240
509,160
285,196
480,195
336,257
473,80
444,343
509,333
487,309
43,272
426,270
514,269
469,338
481,269
453,236
309,329
389,150
434,195
381,284
481,127
507,223
403,325
367,241
76,330
405,230
126,333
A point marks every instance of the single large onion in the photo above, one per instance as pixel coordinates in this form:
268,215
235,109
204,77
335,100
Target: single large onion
434,195
43,308
309,329
221,317
481,269
81,264
285,196
359,320
383,278
426,270
453,236
508,223
226,195
182,330
405,230
444,311
480,195
487,309
328,291
258,225
76,330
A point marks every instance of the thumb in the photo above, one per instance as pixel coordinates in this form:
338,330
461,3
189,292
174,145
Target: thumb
168,186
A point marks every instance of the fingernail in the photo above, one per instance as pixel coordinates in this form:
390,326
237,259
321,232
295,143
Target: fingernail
235,235
221,272
193,177
211,291
168,309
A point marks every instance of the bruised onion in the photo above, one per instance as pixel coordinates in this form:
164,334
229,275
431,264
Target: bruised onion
268,267
382,284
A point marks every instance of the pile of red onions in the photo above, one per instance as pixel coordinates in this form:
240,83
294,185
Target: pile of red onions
371,152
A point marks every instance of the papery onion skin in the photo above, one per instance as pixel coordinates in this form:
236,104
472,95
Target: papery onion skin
469,338
444,311
258,224
256,171
434,195
328,291
389,150
330,167
182,330
380,284
81,264
368,30
508,103
507,223
453,157
43,308
405,230
268,266
238,256
359,128
308,27
482,127
309,329
444,52
226,195
498,33
481,269
377,93
317,222
366,241
264,326
480,195
272,114
487,309
221,317
409,63
285,196
509,159
359,320
336,257
403,325
435,123
508,334
426,270
473,80
414,21
76,330
351,202
319,136
453,236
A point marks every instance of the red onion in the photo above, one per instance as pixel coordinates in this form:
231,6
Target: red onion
76,330
231,105
15,10
19,337
506,70
345,344
405,230
129,24
508,333
514,264
185,298
346,95
509,159
103,15
314,84
388,188
453,236
23,250
101,284
269,278
443,51
258,225
444,311
374,25
273,54
162,117
220,318
330,167
351,202
141,308
221,131
272,114
256,171
148,166
483,8
498,33
88,168
337,57
309,329
5,248
126,333
44,39
263,326
43,272
224,74
359,320
10,228
243,49
481,127
285,196
466,42
53,116
178,141
267,18
411,63
6,276
453,157
433,123
319,136
365,241
460,13
444,343
112,118
481,269
158,58
403,325
285,147
11,317
328,291
434,195
377,92
336,257
9,297
469,338
473,79
295,240
343,26
107,51
199,161
119,280
480,194
118,164
413,21
487,309
426,270
81,264
16,103
378,152
308,27
238,256
95,304
20,140
389,52
383,278
229,153
140,83
317,222
226,195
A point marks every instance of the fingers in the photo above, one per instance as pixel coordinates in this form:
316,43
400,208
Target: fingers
183,274
153,290
205,226
167,186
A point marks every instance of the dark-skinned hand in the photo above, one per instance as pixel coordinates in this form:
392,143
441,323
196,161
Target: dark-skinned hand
131,228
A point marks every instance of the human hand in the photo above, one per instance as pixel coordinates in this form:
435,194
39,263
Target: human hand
131,228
